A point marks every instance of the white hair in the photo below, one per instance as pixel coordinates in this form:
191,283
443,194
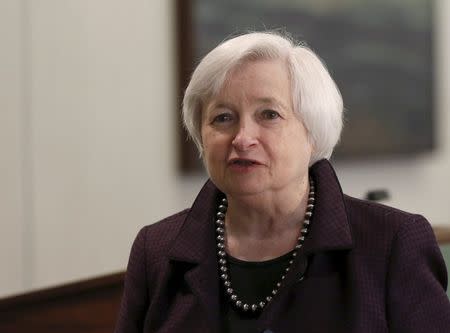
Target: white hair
316,98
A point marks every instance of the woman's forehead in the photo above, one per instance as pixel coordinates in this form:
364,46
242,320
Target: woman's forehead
265,82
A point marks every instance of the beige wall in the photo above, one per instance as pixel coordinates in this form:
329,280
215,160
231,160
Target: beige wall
87,139
11,147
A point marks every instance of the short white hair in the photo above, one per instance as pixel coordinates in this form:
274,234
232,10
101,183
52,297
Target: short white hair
316,98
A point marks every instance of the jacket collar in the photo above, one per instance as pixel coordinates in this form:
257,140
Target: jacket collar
195,242
195,245
330,228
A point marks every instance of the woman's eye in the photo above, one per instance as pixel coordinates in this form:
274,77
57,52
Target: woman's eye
270,114
222,118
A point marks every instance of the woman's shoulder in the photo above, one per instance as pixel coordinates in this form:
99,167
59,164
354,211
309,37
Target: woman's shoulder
374,209
380,224
169,223
158,236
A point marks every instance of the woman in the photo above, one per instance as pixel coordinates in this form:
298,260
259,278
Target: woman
271,243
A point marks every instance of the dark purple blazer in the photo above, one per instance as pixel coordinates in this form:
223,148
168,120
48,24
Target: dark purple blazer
364,268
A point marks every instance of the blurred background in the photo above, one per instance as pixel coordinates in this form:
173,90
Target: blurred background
89,135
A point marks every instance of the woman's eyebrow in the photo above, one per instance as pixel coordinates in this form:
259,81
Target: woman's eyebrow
220,105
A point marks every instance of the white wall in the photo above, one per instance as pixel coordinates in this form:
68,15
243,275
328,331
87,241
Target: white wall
87,140
11,141
102,77
91,126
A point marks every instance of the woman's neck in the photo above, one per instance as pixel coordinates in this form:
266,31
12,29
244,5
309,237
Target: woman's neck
265,226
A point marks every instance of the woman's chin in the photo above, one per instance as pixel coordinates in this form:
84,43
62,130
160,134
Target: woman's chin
245,188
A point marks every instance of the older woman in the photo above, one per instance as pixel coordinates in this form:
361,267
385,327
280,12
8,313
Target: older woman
271,243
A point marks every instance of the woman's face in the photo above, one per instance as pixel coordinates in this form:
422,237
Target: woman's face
252,140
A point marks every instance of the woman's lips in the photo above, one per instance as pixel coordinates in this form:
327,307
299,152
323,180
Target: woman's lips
243,164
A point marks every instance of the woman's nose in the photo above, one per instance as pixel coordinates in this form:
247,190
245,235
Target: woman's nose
245,137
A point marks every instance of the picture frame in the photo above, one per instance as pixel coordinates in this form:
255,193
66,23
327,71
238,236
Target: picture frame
380,54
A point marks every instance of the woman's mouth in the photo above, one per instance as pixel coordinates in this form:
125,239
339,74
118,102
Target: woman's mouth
239,164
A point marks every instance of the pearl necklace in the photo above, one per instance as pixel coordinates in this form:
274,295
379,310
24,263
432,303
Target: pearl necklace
223,269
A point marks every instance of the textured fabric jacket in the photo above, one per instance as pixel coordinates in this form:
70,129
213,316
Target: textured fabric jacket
364,268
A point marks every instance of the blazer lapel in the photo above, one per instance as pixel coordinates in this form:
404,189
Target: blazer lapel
330,229
196,245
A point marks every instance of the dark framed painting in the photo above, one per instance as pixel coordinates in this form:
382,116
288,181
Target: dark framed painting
378,52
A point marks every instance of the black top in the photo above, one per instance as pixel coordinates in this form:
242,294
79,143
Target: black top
252,282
